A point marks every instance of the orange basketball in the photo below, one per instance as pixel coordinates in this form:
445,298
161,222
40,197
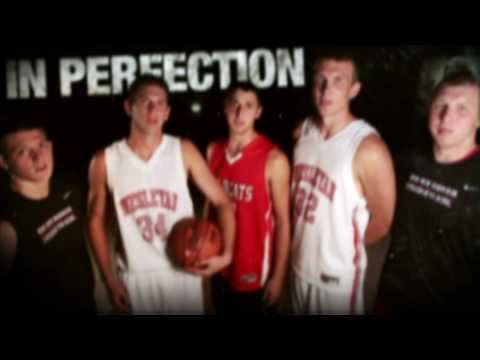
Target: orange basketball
192,240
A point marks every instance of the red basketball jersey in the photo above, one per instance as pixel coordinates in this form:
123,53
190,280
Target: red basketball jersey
244,179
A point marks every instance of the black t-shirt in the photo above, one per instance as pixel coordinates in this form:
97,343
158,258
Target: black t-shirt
434,258
52,271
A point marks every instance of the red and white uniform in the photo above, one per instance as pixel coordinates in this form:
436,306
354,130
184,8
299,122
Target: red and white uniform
330,219
244,178
149,198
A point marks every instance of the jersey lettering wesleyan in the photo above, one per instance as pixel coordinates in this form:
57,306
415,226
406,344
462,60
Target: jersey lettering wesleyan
330,216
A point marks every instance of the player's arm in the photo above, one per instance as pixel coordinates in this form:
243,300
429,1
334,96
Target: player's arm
374,171
206,205
197,167
278,176
97,231
8,247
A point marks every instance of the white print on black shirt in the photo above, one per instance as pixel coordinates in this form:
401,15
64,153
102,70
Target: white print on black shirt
54,224
429,189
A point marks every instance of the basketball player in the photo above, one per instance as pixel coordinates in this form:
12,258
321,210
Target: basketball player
343,192
433,260
146,177
44,262
256,176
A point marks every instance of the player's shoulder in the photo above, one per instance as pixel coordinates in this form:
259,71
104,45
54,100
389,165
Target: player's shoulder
186,144
7,230
277,160
99,155
372,150
189,152
98,165
276,154
370,140
98,159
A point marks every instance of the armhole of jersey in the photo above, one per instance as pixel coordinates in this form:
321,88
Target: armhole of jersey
108,166
358,140
270,233
267,187
308,122
177,148
303,128
216,152
211,146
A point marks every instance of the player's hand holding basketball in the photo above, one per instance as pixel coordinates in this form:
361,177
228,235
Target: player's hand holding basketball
119,296
195,245
211,266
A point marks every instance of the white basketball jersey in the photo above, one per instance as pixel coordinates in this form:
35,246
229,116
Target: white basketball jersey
330,216
150,197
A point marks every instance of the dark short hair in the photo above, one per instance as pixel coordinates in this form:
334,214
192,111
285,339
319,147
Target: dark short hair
440,72
347,54
244,86
145,80
457,71
13,122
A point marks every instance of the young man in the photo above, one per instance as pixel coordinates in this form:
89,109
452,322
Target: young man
146,177
433,261
44,265
256,176
343,192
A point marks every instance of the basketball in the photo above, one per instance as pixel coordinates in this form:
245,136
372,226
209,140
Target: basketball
192,240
